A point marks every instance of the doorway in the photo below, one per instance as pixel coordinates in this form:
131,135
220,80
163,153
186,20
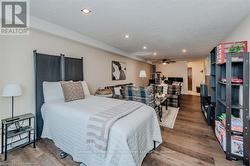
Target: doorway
190,78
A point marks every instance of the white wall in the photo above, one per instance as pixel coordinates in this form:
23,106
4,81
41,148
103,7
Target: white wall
207,67
241,33
16,66
178,69
198,77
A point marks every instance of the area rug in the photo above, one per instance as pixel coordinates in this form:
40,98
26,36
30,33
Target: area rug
169,117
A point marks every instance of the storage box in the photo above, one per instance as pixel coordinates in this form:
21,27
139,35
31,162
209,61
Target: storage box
220,133
230,47
236,141
237,145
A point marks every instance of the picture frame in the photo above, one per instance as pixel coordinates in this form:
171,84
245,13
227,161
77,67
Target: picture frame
118,71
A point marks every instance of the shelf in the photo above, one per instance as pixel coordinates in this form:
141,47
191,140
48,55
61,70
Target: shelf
237,157
224,83
233,132
18,118
237,61
233,106
13,133
19,146
223,102
240,61
237,106
13,142
237,133
221,64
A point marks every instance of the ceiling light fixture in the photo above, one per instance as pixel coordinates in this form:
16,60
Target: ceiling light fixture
86,11
164,63
155,53
144,47
126,36
183,50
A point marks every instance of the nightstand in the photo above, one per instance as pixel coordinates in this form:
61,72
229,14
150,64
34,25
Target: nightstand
20,126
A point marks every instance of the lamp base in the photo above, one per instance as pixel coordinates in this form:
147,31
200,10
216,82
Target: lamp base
12,119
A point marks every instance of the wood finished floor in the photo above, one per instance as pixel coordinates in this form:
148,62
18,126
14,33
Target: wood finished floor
190,143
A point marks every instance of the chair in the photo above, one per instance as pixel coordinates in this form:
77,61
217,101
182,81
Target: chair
141,94
173,94
144,95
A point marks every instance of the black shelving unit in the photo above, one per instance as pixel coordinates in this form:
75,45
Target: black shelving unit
213,76
208,102
232,99
248,139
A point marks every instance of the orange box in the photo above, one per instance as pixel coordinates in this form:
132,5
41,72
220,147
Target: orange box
224,48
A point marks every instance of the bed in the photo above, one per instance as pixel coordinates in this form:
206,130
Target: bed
130,138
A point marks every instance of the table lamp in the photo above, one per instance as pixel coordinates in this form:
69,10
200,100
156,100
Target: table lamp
142,74
12,90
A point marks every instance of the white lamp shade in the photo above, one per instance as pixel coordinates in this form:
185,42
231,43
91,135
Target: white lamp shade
142,74
12,90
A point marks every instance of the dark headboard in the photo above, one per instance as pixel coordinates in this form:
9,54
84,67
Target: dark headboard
53,68
72,68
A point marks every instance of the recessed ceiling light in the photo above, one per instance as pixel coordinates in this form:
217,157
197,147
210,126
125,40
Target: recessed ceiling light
154,53
126,36
144,47
164,63
183,50
86,11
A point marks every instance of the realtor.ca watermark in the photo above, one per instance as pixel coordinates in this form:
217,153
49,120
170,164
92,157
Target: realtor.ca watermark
14,17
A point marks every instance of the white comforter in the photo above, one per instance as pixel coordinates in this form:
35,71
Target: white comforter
130,139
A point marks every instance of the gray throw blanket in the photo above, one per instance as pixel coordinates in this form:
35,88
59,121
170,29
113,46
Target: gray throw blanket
99,125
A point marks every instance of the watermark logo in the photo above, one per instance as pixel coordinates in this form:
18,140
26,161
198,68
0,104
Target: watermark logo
14,17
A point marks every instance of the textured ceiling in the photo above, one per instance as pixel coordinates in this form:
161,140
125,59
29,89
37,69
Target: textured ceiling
164,26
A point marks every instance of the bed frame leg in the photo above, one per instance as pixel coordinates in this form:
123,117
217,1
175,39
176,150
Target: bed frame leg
62,154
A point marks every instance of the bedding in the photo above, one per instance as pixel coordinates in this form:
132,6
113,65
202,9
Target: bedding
100,124
72,91
140,94
130,137
85,88
52,91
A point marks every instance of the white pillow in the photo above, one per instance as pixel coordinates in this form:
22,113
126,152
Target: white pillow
117,90
85,88
52,91
165,89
